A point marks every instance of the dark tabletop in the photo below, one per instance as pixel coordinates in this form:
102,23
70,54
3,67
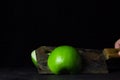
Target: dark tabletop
30,73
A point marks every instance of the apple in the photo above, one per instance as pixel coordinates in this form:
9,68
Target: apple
34,59
64,59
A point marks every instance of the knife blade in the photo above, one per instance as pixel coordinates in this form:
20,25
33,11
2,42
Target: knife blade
94,60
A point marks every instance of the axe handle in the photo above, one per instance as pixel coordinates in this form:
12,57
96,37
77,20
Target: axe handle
111,53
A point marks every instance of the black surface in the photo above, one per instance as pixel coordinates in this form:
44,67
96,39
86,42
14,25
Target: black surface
30,73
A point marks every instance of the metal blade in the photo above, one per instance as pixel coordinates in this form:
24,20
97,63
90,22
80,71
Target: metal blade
93,60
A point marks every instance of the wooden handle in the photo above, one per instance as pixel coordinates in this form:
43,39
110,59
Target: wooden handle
111,53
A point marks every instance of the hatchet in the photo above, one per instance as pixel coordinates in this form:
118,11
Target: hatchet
94,60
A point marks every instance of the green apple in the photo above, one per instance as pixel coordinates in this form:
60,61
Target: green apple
34,59
64,59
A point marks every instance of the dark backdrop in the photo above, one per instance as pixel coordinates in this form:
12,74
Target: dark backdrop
84,24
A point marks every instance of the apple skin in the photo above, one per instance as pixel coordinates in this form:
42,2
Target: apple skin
64,59
34,59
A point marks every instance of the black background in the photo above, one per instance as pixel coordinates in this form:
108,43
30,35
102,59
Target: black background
84,24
